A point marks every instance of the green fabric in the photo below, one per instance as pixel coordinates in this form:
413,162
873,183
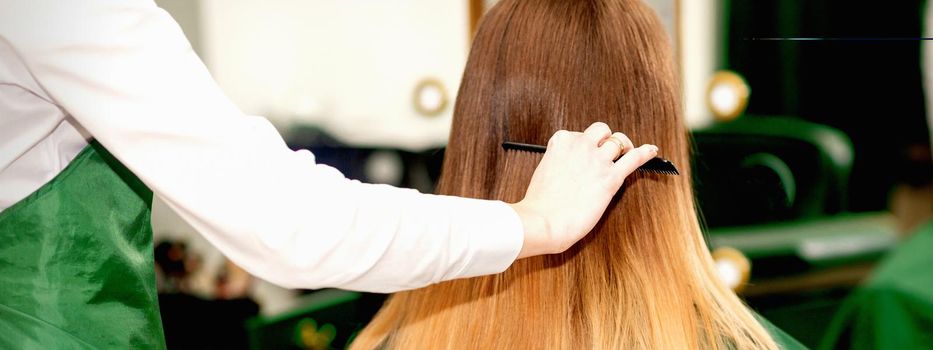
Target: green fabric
783,340
894,308
76,266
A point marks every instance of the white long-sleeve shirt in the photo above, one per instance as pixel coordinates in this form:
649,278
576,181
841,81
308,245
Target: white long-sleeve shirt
122,72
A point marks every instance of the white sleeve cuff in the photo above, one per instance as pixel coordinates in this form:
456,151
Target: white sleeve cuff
495,237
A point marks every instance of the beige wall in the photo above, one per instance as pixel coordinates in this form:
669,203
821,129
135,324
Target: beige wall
699,42
349,66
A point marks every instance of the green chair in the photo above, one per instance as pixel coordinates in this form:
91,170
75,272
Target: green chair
762,169
775,189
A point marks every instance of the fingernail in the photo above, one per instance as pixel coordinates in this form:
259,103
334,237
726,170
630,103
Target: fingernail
654,149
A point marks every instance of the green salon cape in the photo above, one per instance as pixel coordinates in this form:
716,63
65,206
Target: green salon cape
894,308
76,267
783,340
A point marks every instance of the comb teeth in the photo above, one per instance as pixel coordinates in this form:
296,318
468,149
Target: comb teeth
659,165
518,146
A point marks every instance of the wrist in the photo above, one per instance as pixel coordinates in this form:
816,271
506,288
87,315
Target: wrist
537,233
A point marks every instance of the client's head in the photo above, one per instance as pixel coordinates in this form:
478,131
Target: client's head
644,278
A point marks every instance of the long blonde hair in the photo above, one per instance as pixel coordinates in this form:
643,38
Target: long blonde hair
644,277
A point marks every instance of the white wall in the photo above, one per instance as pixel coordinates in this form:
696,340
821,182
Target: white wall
699,42
349,66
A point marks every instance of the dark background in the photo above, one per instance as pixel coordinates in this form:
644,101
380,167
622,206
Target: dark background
870,89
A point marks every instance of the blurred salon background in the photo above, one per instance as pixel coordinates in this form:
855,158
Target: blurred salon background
812,157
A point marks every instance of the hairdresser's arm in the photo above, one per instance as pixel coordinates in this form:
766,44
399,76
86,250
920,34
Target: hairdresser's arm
124,71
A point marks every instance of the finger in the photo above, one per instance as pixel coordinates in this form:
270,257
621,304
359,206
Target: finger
615,146
634,159
597,132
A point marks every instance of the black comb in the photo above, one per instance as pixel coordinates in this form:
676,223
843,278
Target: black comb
656,165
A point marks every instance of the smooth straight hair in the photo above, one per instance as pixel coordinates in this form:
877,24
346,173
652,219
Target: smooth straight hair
644,277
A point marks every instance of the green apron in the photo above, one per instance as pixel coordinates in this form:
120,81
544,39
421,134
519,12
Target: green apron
893,309
76,267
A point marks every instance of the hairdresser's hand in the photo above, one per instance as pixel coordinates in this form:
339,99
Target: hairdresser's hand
573,185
